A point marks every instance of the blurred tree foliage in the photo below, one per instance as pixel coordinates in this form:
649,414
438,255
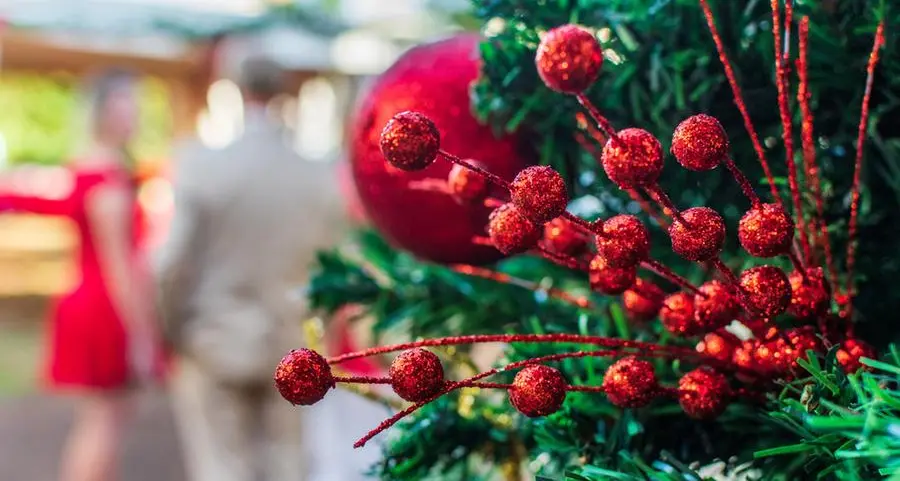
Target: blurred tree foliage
43,118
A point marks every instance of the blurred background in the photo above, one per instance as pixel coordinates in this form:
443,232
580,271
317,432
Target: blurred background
187,52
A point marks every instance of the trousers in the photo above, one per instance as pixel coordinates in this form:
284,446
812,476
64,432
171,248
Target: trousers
235,432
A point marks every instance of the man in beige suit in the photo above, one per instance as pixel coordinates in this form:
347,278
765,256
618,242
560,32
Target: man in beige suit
248,221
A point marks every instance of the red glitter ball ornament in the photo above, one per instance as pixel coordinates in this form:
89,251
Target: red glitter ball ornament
700,143
610,280
704,393
744,355
630,383
432,79
410,141
511,232
810,297
850,352
643,300
467,186
719,345
766,230
677,314
700,237
540,193
303,377
417,375
634,160
564,237
625,241
766,290
717,309
568,59
538,391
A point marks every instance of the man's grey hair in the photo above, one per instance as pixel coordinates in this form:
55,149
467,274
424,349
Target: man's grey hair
261,77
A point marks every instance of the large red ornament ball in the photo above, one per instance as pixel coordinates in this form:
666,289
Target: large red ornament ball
303,377
564,237
624,242
719,345
431,79
717,309
766,230
766,290
633,160
700,236
850,352
410,141
700,143
540,193
810,297
609,280
703,393
538,391
417,375
643,300
630,383
677,314
466,185
511,232
568,59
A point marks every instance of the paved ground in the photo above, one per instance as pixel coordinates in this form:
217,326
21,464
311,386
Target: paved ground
33,428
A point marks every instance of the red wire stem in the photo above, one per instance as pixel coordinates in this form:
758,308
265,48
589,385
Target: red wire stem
857,168
501,277
657,194
739,99
661,270
742,181
602,122
496,179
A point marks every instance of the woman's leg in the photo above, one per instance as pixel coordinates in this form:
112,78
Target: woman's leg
92,450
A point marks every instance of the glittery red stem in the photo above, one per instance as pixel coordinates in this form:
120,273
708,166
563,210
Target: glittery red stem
733,280
482,241
607,342
739,99
602,122
818,227
657,194
798,266
493,202
563,260
857,168
661,270
784,109
648,208
583,224
525,284
362,379
742,181
496,179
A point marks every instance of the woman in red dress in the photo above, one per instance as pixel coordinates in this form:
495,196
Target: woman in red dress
101,334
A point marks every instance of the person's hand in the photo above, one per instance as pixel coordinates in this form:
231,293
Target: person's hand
143,358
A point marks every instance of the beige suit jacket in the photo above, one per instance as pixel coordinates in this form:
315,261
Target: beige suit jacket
248,222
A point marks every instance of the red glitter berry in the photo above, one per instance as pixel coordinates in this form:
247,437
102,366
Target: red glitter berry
410,141
610,280
417,375
643,300
810,297
766,290
634,160
677,314
540,193
717,309
511,232
703,393
700,143
568,59
625,241
766,231
630,383
744,355
538,391
719,345
303,377
467,186
564,237
700,237
850,352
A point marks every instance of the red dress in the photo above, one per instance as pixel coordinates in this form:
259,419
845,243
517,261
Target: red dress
88,343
